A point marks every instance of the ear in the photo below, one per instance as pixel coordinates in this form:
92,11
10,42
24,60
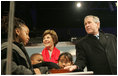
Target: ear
98,25
17,30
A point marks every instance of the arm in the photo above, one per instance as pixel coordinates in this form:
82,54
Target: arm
17,66
80,57
80,60
15,69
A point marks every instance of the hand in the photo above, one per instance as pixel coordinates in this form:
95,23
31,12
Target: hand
71,68
37,71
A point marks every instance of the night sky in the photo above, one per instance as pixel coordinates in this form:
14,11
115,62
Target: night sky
63,16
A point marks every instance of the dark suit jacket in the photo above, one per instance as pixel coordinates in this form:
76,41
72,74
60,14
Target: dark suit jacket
100,56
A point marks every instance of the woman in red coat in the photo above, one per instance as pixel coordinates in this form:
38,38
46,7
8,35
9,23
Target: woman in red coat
50,53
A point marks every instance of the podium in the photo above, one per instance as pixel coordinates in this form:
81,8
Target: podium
77,73
66,72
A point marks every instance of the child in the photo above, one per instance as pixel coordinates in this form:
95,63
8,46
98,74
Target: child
36,58
21,63
65,59
37,62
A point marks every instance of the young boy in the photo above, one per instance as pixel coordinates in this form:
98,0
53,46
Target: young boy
36,58
44,67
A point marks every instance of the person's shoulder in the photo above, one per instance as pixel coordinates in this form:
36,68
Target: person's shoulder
5,44
44,51
109,35
82,39
57,50
15,48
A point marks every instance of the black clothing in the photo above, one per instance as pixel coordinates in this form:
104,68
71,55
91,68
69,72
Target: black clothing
46,66
100,56
50,65
20,60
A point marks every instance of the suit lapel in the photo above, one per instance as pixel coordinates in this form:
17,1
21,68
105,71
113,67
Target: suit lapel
95,42
102,40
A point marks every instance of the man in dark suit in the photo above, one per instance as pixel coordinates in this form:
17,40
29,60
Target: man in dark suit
97,50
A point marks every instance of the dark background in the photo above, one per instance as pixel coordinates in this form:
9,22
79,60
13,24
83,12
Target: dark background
63,16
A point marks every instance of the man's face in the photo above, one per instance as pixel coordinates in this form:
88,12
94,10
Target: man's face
90,26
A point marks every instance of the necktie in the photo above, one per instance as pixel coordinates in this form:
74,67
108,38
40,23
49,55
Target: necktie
97,36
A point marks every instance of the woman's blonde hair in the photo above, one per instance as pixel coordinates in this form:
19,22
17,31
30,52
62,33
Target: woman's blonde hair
53,35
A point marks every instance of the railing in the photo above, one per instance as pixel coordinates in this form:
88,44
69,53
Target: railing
10,38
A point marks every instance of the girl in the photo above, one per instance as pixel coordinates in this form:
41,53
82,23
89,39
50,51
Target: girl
21,63
65,59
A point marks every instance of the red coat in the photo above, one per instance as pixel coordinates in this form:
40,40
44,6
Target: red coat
54,56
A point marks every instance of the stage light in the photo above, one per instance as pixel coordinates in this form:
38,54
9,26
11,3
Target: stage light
78,4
